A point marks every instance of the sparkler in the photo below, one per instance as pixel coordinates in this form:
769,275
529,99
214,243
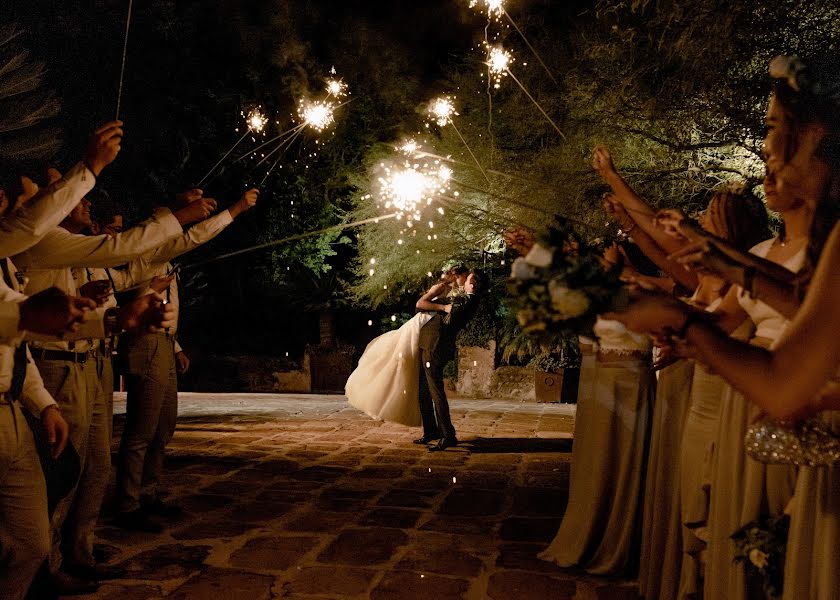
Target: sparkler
255,123
124,53
317,114
336,88
410,186
495,10
498,63
443,109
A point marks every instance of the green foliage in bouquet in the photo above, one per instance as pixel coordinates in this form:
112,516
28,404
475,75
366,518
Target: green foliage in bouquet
761,545
561,286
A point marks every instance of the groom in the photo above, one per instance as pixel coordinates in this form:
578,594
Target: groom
437,347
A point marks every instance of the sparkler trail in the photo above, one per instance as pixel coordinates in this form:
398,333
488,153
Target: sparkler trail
272,140
124,53
531,48
255,122
498,62
287,144
443,109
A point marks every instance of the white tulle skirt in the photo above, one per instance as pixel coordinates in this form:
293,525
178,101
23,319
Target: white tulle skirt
385,385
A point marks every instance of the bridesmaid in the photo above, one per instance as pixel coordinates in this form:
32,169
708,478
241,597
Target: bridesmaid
600,528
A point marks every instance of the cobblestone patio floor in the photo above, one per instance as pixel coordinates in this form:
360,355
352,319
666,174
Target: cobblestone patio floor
290,496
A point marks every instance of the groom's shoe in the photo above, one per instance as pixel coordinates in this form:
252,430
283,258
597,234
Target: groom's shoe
426,439
444,443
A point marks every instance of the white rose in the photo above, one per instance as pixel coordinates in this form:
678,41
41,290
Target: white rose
758,558
539,256
569,303
522,270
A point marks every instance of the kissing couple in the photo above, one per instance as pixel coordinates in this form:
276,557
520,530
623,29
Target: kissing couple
400,374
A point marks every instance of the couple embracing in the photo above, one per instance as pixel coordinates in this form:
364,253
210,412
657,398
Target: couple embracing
400,375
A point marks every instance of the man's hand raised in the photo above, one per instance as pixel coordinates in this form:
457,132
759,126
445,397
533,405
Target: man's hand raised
197,210
104,146
245,203
52,312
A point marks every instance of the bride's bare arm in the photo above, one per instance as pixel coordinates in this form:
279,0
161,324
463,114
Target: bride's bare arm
785,381
425,302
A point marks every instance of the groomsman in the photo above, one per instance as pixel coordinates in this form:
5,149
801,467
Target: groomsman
150,364
72,378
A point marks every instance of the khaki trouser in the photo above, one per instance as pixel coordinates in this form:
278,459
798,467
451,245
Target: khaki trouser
75,386
151,411
24,523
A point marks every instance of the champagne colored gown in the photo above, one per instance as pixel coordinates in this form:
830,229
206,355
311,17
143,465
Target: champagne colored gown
743,489
600,529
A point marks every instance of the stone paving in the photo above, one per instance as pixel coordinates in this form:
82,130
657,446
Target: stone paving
305,497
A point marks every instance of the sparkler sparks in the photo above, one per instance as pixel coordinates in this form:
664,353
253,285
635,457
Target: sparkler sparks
410,186
495,8
498,62
336,88
317,114
442,109
256,121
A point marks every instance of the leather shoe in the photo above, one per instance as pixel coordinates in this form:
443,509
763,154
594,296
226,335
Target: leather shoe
94,572
137,520
159,508
65,584
426,439
444,443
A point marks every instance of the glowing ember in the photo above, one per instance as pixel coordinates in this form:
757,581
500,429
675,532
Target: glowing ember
410,186
256,121
409,147
317,114
442,109
336,88
495,8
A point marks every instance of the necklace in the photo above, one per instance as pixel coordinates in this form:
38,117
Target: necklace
784,242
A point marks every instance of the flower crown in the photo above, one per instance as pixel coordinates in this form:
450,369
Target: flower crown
800,78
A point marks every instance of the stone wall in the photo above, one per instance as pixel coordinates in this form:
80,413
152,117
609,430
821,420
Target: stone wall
475,370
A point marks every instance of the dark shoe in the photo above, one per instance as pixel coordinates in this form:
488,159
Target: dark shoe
94,572
137,520
65,584
426,439
159,508
444,443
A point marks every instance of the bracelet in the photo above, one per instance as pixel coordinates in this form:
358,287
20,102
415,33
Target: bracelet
748,277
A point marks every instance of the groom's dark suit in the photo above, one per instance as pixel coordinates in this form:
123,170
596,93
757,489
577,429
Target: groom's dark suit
437,347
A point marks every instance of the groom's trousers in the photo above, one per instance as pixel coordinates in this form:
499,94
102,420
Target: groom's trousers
434,407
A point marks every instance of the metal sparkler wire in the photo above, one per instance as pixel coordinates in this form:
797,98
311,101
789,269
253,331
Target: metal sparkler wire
124,53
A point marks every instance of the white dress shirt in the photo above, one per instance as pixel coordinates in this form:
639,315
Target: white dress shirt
25,227
50,262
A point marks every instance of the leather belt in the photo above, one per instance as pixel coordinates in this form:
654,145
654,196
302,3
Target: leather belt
63,355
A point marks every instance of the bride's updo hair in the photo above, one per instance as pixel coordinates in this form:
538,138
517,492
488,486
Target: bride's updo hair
451,274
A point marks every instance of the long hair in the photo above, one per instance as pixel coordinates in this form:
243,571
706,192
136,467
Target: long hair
803,108
451,274
746,219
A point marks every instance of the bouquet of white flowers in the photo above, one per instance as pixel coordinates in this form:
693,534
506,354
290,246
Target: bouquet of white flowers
561,285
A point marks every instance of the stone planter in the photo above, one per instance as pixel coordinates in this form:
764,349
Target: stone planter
476,366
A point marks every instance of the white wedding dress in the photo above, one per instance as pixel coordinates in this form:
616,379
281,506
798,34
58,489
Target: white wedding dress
386,383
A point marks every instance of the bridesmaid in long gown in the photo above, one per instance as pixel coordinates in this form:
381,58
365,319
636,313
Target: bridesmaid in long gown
600,529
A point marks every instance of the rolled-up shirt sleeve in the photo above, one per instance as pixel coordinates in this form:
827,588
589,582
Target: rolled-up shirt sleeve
9,321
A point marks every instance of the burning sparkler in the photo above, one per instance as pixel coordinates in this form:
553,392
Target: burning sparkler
498,63
336,88
255,123
410,186
317,114
495,8
443,109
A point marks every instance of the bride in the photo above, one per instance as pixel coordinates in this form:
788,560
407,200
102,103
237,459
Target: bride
386,383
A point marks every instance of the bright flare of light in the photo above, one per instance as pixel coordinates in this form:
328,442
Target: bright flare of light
495,8
256,121
317,114
442,109
336,88
499,61
409,186
409,146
